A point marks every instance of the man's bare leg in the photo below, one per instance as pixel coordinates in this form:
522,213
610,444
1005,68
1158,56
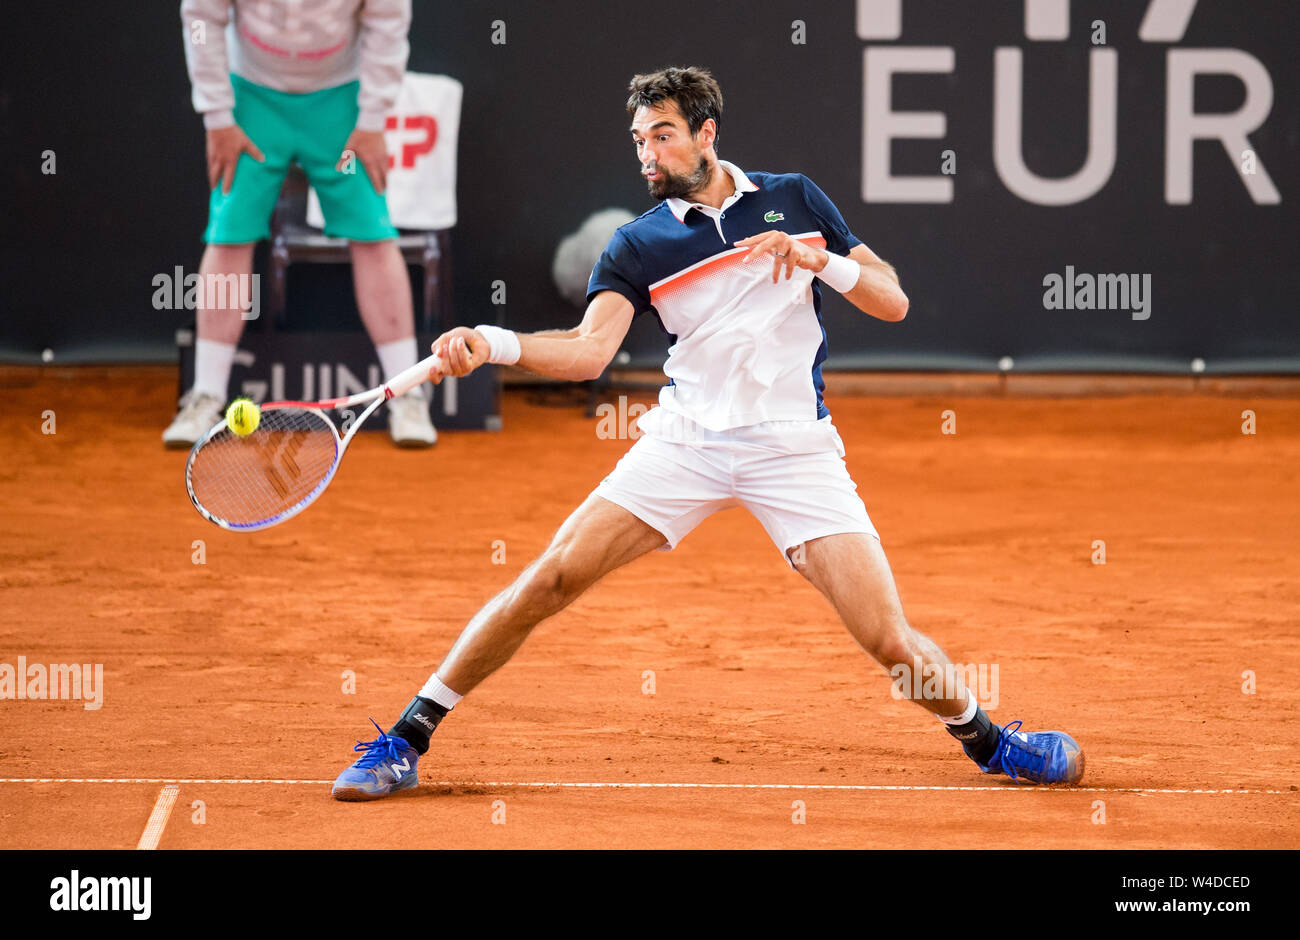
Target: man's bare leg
597,538
852,572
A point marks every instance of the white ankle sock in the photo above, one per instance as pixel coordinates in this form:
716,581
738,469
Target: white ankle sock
435,690
397,356
212,361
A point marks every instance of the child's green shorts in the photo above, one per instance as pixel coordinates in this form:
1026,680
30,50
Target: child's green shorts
310,129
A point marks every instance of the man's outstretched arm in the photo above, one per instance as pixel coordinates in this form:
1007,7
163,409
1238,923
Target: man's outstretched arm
576,355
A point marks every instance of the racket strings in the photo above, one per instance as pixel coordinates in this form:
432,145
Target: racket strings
251,480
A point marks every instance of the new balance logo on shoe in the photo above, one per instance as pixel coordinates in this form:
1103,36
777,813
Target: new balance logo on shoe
386,766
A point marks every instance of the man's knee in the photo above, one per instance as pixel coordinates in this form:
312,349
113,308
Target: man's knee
554,580
893,643
883,632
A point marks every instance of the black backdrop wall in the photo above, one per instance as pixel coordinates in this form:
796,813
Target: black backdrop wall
544,144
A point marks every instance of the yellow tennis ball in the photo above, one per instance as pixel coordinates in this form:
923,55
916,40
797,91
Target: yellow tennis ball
243,416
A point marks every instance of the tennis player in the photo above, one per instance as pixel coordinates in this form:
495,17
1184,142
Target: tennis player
733,264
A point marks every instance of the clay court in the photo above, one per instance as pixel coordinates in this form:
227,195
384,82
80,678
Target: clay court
227,679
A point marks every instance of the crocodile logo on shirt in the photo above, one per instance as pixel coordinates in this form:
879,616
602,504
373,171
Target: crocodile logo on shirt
774,217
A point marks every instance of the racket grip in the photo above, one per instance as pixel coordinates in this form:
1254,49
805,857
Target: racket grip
408,379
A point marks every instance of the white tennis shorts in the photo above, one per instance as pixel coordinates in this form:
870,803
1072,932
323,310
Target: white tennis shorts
673,486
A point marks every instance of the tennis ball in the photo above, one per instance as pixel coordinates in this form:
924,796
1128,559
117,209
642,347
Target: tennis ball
243,416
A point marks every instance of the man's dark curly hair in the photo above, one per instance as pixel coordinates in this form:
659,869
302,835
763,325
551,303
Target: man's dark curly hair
695,91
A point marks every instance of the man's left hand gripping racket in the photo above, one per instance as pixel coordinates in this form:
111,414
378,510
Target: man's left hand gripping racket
263,478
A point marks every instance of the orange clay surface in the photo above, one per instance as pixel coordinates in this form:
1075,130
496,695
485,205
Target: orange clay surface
221,674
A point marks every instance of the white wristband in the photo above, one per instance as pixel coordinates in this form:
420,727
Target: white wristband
503,345
840,272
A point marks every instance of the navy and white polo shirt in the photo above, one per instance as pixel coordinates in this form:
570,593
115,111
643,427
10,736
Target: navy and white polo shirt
744,351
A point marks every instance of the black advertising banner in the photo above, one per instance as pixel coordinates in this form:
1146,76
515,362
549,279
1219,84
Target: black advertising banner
1074,184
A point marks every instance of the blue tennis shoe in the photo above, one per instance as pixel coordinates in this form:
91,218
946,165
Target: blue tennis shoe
387,765
1036,756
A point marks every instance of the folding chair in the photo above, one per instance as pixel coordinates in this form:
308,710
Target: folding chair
293,240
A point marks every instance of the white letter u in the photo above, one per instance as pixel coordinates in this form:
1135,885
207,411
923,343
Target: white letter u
1008,154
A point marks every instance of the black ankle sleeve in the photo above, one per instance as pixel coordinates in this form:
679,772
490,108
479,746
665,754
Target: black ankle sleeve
418,722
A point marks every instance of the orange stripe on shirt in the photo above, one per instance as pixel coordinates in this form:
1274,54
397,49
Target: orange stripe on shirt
677,282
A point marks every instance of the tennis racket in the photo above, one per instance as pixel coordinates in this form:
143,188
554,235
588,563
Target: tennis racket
251,482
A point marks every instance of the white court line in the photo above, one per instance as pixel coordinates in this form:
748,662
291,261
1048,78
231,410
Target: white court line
554,785
162,809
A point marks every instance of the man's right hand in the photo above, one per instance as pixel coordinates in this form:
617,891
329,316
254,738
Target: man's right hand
225,144
461,350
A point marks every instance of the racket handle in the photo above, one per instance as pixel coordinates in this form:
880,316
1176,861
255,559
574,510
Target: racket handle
408,379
